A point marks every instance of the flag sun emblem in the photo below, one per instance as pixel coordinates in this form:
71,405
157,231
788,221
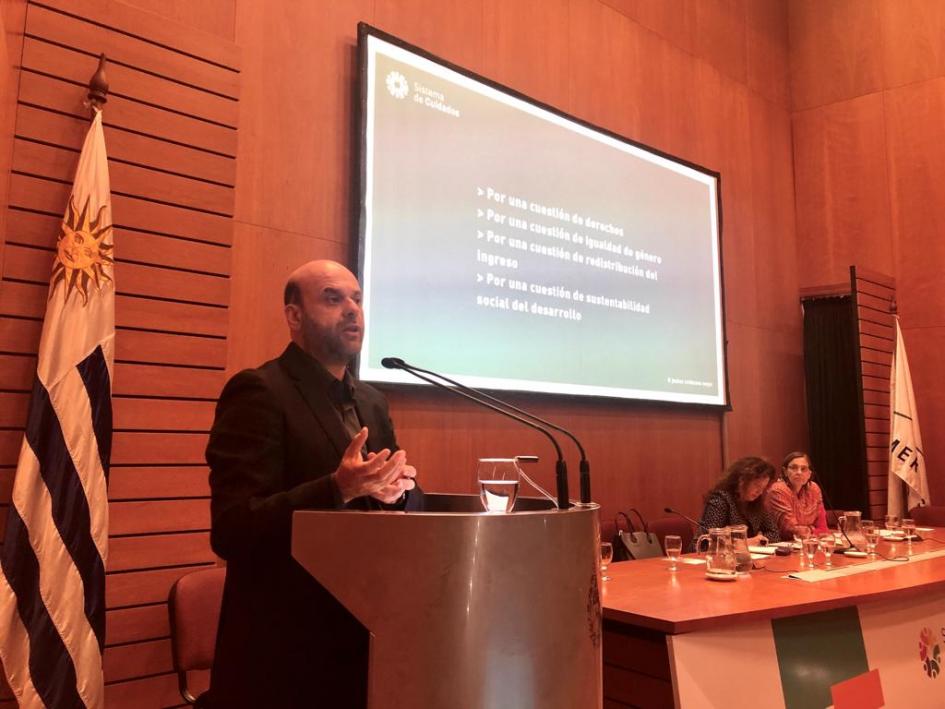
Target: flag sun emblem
397,84
82,256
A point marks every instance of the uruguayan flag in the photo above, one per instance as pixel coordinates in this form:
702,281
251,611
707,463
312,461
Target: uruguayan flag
52,589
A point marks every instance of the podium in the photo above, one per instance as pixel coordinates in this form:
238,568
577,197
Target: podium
464,608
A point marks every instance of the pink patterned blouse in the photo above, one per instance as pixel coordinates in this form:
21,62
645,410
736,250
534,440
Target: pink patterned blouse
789,510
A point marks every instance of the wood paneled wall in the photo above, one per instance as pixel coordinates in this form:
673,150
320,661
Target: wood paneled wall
170,131
200,292
868,95
874,295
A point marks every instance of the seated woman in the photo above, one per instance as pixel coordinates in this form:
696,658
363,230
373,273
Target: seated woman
795,499
738,499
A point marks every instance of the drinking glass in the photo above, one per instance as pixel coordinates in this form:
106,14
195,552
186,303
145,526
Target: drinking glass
673,545
827,544
810,548
498,483
867,527
801,533
908,526
872,539
606,556
892,522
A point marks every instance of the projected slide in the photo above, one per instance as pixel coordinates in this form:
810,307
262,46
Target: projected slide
512,248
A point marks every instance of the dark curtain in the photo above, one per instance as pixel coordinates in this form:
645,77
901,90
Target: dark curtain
833,406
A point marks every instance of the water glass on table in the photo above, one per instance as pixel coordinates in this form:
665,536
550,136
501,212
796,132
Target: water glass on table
828,542
872,536
801,533
672,543
892,522
908,526
606,556
810,548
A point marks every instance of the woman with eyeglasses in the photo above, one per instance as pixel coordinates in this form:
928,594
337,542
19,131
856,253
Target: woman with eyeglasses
795,499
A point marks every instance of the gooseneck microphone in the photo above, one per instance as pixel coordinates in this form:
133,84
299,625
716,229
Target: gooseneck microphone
561,468
584,466
690,520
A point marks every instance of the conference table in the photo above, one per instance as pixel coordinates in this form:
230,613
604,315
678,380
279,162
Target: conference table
865,633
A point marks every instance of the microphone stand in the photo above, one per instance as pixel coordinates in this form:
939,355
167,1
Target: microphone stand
826,500
584,466
690,520
561,469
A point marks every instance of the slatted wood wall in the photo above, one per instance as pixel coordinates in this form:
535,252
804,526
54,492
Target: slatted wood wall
171,134
874,295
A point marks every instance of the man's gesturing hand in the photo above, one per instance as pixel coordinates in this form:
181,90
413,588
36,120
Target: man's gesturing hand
358,476
393,492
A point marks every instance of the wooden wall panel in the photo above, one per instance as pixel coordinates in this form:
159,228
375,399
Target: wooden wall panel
296,95
875,296
767,29
842,204
170,131
833,50
516,51
872,147
912,44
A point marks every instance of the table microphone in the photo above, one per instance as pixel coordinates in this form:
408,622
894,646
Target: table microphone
561,468
690,520
585,466
826,499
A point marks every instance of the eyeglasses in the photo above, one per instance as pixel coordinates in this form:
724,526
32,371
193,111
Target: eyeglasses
801,468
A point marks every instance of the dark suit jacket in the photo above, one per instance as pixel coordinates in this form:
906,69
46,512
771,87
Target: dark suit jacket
284,641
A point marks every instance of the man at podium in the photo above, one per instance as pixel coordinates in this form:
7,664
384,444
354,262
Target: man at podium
298,432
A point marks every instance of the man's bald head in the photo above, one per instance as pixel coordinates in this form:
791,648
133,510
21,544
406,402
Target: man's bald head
323,312
309,272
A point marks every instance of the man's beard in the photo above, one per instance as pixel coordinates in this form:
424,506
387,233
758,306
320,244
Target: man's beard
331,343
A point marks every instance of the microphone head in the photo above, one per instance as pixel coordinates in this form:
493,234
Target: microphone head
392,363
669,510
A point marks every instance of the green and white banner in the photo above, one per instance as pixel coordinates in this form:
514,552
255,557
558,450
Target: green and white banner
885,654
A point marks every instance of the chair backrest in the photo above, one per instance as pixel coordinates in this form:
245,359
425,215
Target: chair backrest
930,516
194,609
672,525
608,530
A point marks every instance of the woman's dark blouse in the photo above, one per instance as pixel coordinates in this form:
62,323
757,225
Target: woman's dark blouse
721,510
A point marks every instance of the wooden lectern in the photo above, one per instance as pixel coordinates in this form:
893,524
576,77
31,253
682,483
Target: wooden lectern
482,611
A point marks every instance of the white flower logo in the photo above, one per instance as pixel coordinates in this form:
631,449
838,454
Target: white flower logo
397,85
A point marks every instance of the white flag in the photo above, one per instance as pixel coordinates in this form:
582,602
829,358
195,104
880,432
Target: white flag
906,459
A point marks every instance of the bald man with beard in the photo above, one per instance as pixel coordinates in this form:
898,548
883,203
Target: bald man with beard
298,432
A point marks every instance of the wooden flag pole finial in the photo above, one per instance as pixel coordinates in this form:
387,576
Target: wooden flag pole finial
98,85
